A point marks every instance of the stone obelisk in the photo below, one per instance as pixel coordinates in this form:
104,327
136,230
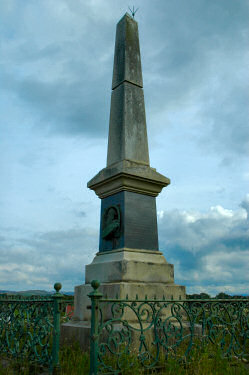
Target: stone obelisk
128,261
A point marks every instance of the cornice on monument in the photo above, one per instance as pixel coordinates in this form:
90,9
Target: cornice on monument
130,176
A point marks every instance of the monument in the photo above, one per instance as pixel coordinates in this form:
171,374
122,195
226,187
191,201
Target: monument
128,260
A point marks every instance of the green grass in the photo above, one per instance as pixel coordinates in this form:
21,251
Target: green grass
206,361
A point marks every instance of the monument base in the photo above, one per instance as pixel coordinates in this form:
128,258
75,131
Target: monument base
78,329
150,277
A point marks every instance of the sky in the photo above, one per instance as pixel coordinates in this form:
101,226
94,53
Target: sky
56,74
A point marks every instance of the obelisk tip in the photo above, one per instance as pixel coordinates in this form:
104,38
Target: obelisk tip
127,60
126,16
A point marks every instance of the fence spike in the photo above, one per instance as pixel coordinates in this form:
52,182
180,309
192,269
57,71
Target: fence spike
172,297
127,297
146,297
116,295
154,297
164,297
136,297
180,297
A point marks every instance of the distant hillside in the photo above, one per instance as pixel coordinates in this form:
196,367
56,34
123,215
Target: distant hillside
221,295
33,292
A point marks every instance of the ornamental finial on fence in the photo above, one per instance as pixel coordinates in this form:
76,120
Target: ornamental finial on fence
57,287
95,293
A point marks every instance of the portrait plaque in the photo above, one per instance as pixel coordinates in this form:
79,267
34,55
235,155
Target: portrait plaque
111,223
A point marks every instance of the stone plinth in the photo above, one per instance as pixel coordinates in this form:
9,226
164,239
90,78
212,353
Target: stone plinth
130,265
123,272
120,290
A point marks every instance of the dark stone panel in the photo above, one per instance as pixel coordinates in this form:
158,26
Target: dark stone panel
138,222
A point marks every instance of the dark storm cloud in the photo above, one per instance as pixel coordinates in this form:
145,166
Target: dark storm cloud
201,61
226,120
63,73
65,107
74,102
187,33
59,74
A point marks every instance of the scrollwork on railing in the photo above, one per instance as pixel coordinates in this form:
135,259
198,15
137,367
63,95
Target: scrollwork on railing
26,328
152,328
30,326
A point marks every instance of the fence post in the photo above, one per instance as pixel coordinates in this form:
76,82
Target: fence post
56,330
95,296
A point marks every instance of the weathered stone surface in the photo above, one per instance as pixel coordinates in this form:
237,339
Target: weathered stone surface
122,289
128,155
127,61
131,266
76,331
80,332
130,176
127,128
138,222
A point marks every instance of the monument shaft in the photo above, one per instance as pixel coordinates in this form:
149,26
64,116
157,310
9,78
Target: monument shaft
128,211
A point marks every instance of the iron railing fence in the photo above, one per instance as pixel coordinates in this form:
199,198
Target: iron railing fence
30,327
127,333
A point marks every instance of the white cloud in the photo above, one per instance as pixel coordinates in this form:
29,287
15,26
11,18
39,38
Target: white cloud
38,260
209,250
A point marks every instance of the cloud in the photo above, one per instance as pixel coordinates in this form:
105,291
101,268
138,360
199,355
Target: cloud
194,55
197,73
210,250
53,69
38,261
245,205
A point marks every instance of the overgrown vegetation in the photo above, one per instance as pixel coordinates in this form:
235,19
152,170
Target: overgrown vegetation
205,360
